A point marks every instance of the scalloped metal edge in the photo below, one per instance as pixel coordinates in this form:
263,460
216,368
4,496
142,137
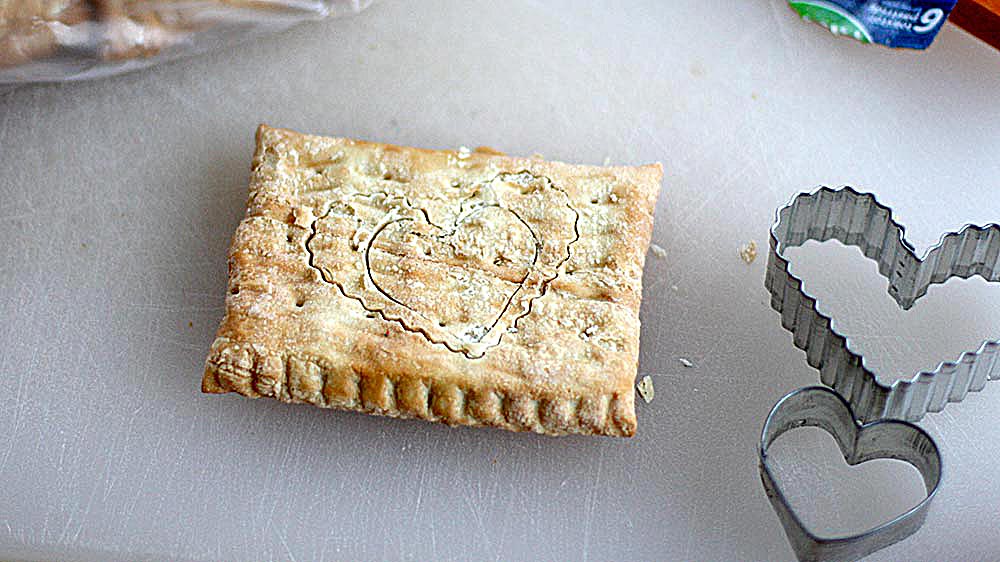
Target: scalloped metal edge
858,219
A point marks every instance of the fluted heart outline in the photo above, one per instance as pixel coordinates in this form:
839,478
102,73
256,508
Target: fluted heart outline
858,219
400,208
445,234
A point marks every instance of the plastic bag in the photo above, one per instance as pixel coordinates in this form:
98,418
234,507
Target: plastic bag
62,40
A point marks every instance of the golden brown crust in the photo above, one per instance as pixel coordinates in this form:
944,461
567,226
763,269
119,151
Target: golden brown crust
470,288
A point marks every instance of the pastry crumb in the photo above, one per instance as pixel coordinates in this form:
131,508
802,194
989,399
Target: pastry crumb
748,252
645,388
657,250
674,288
686,362
607,161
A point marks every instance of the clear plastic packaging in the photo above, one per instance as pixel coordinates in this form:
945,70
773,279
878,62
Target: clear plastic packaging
63,40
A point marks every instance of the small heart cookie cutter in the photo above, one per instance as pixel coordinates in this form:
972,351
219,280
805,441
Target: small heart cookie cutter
858,219
818,406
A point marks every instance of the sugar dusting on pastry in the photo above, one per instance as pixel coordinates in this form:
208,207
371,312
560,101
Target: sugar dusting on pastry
303,217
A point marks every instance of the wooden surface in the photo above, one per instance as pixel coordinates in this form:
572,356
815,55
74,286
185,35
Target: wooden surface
980,18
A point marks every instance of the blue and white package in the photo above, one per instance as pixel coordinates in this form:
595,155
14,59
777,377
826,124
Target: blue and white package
906,24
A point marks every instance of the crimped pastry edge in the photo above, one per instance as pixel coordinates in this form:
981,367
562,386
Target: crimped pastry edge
248,370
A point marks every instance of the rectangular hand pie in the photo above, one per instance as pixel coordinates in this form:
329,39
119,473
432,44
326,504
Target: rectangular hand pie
466,287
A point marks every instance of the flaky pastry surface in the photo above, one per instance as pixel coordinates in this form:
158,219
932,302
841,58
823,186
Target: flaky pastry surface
465,287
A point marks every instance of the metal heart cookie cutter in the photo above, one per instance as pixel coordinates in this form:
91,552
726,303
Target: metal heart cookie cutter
818,406
869,419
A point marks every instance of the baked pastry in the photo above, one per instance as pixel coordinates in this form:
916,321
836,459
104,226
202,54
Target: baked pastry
29,29
32,30
143,28
466,287
138,28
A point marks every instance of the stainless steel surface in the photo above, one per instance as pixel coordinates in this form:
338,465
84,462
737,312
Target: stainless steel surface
858,219
118,199
818,406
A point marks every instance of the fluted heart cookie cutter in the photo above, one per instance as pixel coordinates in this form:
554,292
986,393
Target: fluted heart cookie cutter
858,219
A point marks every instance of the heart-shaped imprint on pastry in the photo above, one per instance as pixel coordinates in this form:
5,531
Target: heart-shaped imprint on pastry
464,276
462,272
884,439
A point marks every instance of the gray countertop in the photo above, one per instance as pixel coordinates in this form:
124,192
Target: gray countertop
119,198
